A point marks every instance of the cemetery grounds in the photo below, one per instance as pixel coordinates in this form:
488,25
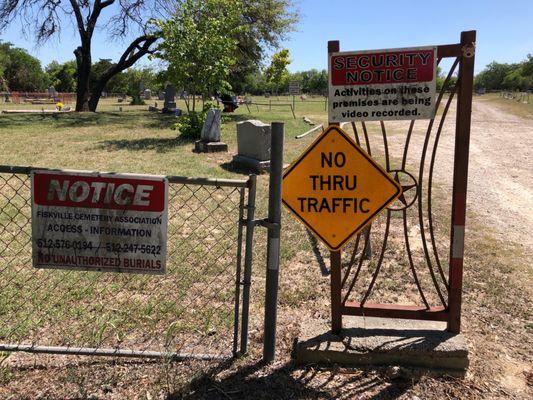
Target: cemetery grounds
497,319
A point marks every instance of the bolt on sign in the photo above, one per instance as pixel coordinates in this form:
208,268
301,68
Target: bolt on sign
380,85
99,222
335,189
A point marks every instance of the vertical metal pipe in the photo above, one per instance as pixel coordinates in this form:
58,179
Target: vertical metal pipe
273,243
248,259
238,274
336,282
335,256
460,177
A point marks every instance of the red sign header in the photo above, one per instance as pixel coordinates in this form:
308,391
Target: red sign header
116,193
382,67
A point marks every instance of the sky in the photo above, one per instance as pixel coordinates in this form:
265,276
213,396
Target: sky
504,30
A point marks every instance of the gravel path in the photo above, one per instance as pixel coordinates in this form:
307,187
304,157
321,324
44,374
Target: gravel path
500,182
501,172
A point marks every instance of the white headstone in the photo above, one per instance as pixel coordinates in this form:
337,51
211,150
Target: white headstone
253,139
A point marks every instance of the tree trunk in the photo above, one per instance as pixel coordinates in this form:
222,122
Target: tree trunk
96,93
83,63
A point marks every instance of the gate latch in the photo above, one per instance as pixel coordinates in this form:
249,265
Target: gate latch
267,224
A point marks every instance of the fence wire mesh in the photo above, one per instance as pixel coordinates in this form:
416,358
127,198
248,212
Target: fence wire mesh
189,311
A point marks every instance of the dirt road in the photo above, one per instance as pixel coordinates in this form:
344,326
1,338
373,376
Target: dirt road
501,173
500,189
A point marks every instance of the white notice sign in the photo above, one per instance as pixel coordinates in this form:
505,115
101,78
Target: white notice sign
99,222
382,84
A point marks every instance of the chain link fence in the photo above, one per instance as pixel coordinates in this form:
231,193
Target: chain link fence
191,312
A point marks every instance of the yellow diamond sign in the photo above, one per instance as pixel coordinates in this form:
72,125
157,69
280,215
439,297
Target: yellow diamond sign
335,188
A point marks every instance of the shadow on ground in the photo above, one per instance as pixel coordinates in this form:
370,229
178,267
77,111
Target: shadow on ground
137,119
256,381
160,145
237,168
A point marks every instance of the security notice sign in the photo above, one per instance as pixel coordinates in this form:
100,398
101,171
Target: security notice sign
336,189
382,85
99,222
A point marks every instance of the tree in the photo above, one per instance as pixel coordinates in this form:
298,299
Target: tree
4,58
276,73
493,75
199,45
62,76
268,22
20,70
135,79
497,76
49,15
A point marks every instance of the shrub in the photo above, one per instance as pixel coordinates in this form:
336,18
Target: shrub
190,125
137,101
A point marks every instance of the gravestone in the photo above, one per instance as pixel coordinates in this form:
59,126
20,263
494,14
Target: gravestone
161,95
170,100
253,145
147,94
210,136
211,128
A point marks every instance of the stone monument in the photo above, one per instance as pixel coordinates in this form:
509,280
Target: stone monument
147,94
170,100
210,137
253,145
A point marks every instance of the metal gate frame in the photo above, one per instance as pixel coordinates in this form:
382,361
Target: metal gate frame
243,279
463,53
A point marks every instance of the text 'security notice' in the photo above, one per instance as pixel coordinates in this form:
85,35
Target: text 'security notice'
99,222
382,85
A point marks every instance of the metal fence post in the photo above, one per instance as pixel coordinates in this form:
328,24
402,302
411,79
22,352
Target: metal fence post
248,258
335,256
238,274
460,177
274,225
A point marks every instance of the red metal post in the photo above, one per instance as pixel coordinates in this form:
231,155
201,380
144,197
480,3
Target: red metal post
460,177
335,256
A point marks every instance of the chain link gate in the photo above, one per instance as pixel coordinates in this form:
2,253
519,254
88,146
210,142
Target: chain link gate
192,312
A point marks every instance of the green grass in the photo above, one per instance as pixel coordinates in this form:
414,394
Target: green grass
193,302
93,309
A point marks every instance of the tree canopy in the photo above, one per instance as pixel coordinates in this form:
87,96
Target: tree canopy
123,18
199,44
20,70
498,76
277,73
62,76
267,22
